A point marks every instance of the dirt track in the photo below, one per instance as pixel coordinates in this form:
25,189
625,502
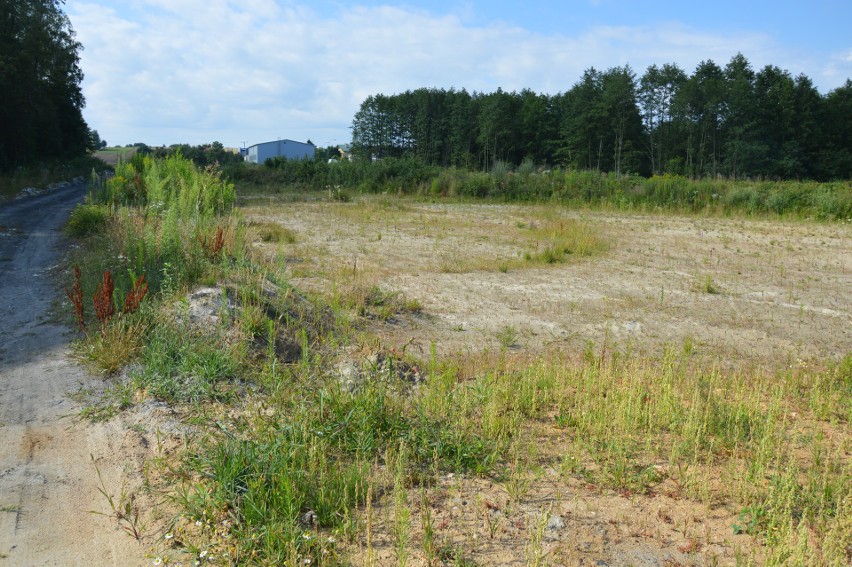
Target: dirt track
48,482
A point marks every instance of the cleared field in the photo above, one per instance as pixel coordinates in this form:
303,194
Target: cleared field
665,388
729,290
113,155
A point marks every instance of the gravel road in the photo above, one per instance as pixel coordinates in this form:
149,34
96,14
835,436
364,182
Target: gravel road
48,481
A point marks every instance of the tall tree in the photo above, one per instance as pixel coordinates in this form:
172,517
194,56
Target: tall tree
742,151
658,88
774,122
702,100
835,157
625,124
584,123
40,97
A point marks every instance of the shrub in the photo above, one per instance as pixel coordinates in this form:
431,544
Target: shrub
86,220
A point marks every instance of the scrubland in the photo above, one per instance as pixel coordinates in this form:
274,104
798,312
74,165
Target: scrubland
420,381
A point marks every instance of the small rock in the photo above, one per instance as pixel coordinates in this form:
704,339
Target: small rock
555,522
309,518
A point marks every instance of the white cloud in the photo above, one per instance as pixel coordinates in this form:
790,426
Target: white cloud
193,71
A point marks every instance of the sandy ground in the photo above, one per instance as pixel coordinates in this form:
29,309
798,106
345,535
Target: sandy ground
733,293
730,290
48,459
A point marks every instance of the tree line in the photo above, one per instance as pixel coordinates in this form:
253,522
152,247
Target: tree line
733,121
40,97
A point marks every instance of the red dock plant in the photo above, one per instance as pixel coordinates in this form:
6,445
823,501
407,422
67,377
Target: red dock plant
213,247
135,296
104,307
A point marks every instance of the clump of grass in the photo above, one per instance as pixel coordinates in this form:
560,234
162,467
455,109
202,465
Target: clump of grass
558,240
272,232
507,336
707,285
373,301
178,365
115,345
165,230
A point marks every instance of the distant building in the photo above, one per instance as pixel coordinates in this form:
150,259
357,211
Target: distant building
345,151
289,149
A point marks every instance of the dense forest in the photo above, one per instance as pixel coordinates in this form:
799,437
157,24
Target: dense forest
40,97
732,121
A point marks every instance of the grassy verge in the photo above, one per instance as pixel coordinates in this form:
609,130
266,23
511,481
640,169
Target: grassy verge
312,442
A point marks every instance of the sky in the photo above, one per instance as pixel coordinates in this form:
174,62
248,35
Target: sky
249,71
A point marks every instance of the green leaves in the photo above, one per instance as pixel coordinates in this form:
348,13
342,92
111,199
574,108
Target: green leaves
40,97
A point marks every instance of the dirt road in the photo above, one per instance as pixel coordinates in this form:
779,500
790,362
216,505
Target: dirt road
48,482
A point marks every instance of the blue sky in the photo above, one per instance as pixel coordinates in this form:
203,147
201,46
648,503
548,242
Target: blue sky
248,71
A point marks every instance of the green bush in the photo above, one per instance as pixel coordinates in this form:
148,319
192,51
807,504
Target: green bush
86,220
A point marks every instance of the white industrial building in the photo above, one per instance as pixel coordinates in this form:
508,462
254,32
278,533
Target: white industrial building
289,149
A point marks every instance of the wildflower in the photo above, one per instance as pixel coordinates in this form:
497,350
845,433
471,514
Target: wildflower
203,554
306,535
158,561
331,539
169,536
197,522
307,561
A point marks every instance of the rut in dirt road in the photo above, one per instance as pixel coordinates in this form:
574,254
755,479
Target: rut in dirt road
48,483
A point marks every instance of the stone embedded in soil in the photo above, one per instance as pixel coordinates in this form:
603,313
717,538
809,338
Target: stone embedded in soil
555,522
377,366
206,305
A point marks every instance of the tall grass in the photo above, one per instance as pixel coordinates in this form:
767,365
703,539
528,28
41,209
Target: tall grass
157,219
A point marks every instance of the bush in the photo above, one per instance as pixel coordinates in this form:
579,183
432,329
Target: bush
86,220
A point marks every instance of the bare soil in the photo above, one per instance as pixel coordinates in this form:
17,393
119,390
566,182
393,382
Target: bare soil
735,293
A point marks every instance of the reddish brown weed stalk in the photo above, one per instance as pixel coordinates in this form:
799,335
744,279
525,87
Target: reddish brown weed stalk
214,247
104,307
135,296
75,295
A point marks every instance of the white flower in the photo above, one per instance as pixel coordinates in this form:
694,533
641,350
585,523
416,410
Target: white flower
203,554
158,561
169,536
197,522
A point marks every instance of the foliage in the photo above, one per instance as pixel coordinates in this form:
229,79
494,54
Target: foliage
41,100
41,173
87,219
171,187
732,122
827,201
201,155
